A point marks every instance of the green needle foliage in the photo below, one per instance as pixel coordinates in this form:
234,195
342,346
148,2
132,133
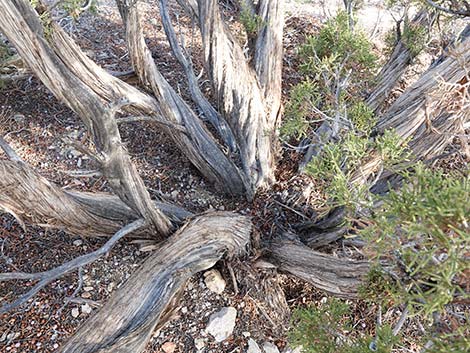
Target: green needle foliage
339,161
250,21
327,329
423,232
339,66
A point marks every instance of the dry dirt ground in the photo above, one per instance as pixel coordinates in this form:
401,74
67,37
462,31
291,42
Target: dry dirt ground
35,124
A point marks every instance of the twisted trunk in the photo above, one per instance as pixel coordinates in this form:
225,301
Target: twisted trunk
126,322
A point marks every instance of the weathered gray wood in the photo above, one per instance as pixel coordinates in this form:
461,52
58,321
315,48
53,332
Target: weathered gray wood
32,199
198,144
126,322
339,277
396,65
239,95
48,276
209,112
23,27
269,54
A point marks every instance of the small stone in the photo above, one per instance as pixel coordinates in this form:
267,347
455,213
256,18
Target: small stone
246,334
214,281
199,343
168,347
253,347
110,286
184,310
86,295
222,323
75,312
12,336
86,309
19,118
174,194
78,242
88,289
269,347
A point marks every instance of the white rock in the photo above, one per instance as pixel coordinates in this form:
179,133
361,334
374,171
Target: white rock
214,281
222,323
78,242
199,343
86,309
253,347
269,347
75,312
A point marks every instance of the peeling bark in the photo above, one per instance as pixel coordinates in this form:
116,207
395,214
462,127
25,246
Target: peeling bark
269,54
339,277
31,198
198,144
23,27
396,65
126,322
209,112
239,94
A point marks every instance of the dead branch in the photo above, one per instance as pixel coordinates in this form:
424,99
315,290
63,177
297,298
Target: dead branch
339,277
23,27
125,323
396,65
199,145
198,97
32,198
240,96
450,10
48,276
10,152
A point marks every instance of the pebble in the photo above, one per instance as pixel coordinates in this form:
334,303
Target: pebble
253,347
169,347
86,309
214,281
222,323
78,242
86,295
88,289
75,312
199,343
269,347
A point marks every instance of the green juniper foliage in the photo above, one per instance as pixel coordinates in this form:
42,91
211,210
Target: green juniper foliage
74,7
339,161
413,36
423,232
298,110
327,329
338,47
337,56
250,21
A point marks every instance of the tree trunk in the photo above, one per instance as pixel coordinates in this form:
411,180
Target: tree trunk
339,277
23,27
198,144
396,65
250,104
126,322
31,198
